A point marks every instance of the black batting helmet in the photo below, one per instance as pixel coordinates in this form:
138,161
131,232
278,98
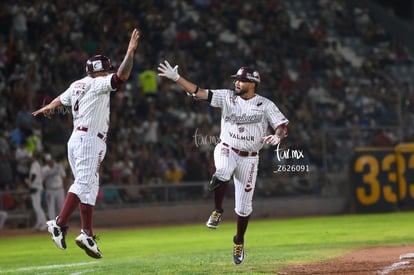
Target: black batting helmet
247,74
98,63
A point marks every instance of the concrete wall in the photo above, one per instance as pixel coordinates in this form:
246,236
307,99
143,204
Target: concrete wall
199,212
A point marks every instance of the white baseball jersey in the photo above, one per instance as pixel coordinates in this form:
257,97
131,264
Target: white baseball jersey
244,123
36,197
55,193
53,175
36,170
89,98
90,101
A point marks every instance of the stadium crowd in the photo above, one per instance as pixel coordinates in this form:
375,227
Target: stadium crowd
156,134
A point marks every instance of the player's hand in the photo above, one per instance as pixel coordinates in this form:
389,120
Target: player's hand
272,139
167,71
133,42
46,112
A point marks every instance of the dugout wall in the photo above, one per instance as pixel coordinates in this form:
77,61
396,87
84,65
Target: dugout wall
383,178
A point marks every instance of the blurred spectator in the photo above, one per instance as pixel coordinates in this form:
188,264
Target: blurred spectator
3,57
19,23
302,184
24,120
23,159
126,167
174,173
134,192
56,136
151,129
3,218
112,194
334,52
174,176
381,139
362,19
149,84
320,95
6,158
194,167
34,142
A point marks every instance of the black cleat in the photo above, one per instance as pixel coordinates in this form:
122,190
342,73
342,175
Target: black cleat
88,243
238,251
58,233
214,219
215,183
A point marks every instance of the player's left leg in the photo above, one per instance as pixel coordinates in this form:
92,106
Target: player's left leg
86,186
244,186
220,191
60,200
57,227
3,218
71,201
86,240
225,165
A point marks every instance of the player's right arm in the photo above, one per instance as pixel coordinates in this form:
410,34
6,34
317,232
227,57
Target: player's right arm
47,109
64,99
169,72
278,121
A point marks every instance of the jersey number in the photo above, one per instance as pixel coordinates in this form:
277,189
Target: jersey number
76,106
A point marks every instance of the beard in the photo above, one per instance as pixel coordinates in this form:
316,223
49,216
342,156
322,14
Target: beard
241,92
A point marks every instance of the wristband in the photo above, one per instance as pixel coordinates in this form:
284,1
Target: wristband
196,90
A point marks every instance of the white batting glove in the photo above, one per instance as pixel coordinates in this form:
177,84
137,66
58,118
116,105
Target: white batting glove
272,139
167,71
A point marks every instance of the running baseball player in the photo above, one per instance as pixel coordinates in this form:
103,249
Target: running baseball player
245,119
89,98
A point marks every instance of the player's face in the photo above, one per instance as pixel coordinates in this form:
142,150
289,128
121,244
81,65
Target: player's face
242,87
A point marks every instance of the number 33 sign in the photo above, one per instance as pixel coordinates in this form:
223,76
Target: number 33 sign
383,178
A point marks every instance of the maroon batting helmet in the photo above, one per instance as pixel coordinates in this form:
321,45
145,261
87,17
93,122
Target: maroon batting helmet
247,74
98,63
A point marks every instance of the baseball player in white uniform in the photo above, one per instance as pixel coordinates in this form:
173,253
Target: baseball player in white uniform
53,176
245,119
35,183
89,99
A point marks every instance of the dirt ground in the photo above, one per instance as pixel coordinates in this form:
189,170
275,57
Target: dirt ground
383,260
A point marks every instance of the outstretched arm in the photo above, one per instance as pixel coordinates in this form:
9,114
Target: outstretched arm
125,68
169,72
47,110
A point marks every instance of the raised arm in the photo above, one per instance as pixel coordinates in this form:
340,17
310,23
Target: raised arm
166,70
125,68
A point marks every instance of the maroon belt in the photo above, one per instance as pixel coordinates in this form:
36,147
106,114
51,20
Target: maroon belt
241,153
84,129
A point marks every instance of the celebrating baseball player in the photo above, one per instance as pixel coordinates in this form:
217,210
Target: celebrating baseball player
245,119
89,98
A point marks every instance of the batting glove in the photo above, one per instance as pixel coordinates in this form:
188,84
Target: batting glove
272,139
167,71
